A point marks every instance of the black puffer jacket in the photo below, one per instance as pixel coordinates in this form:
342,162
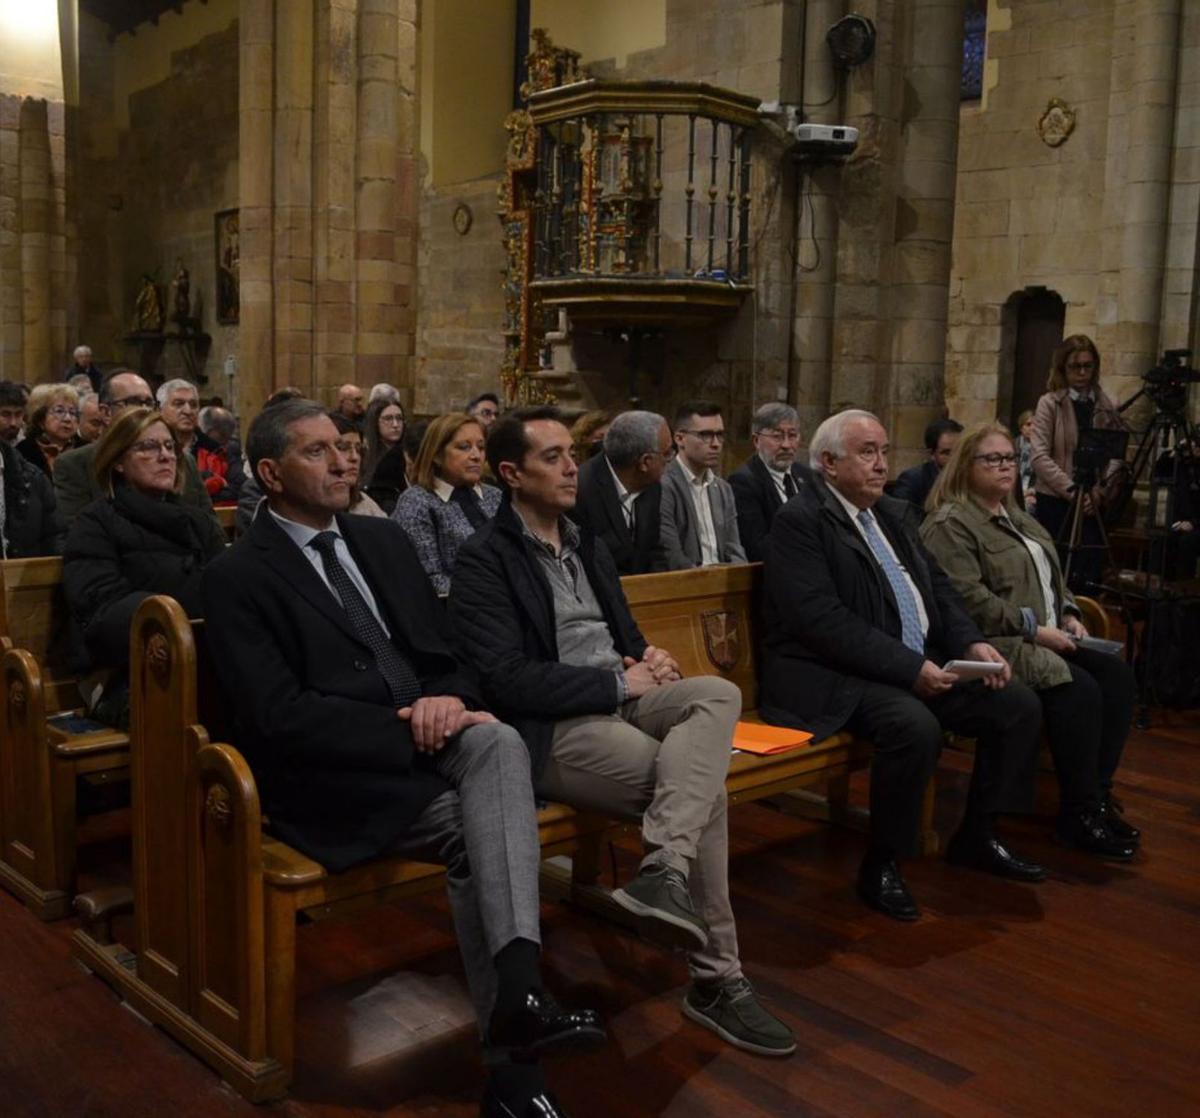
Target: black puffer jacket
31,523
502,608
119,551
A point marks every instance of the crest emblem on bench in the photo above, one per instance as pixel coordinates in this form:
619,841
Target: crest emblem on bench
722,640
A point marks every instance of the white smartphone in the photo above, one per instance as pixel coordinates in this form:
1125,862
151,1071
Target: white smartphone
972,669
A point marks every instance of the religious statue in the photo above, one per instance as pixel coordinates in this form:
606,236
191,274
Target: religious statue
148,311
181,305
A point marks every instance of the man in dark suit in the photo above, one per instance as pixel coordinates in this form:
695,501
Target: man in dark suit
620,492
612,727
365,732
858,619
769,478
915,483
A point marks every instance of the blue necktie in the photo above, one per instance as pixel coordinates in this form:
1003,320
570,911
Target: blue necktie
910,617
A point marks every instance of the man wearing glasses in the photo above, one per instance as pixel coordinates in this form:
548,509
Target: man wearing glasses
75,484
699,515
620,491
769,478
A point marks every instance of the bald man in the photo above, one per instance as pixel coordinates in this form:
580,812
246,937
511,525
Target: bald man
352,404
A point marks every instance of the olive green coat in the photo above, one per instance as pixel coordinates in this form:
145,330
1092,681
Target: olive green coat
996,576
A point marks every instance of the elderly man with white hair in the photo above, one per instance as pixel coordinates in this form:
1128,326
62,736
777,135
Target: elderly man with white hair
81,364
620,492
860,621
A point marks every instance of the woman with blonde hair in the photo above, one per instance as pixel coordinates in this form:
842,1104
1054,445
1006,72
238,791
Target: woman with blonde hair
1004,565
135,541
51,426
1073,402
446,501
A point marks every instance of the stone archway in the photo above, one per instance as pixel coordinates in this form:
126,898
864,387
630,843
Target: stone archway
1031,326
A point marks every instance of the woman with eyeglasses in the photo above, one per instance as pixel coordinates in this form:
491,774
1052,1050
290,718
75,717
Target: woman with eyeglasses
384,474
351,444
447,500
135,541
52,425
1073,402
1004,565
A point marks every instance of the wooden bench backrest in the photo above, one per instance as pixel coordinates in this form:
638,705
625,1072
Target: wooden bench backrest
34,616
707,618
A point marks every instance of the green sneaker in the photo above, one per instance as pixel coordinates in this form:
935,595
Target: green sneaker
658,896
732,1011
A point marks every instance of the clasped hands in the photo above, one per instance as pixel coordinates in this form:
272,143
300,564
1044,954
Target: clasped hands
655,668
933,681
1061,640
435,719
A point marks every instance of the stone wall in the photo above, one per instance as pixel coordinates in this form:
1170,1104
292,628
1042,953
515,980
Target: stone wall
1107,219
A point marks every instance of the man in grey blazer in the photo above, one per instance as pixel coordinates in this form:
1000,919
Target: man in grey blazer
699,516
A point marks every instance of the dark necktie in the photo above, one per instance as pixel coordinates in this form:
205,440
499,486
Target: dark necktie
902,591
789,486
395,668
468,500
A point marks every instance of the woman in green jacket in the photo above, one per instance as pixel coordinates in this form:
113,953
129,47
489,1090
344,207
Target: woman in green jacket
1005,566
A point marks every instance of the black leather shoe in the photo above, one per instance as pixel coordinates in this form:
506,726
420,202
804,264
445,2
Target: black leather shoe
881,886
542,1105
1087,830
542,1025
991,856
1111,814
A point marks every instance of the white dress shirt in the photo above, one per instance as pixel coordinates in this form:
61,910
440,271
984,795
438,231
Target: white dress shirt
623,496
445,490
777,476
698,487
302,536
852,511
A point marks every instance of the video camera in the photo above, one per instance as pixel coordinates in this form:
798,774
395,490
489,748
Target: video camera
1167,383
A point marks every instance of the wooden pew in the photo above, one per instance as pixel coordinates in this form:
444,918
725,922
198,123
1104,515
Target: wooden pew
214,961
215,947
44,747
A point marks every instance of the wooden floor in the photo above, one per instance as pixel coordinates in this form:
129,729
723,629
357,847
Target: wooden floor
1077,997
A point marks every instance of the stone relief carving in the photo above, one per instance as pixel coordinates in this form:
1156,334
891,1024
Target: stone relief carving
1056,123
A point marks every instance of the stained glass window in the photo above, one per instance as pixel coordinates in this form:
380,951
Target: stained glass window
974,49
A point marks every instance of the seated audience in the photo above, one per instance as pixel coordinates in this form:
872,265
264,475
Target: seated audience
91,422
1025,479
620,491
446,501
611,726
858,619
81,383
588,433
51,424
769,478
366,733
179,405
351,403
699,516
137,540
383,391
29,524
1073,401
218,456
350,443
75,484
12,412
486,409
251,495
81,365
383,430
1005,568
915,484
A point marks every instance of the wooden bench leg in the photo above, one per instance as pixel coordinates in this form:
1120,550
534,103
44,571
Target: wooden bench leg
928,837
280,944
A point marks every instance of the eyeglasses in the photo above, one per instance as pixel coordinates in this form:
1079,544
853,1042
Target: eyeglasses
1082,366
781,435
350,449
133,402
995,461
61,411
392,420
707,436
151,448
668,454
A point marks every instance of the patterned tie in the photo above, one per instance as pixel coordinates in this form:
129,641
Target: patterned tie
910,617
468,500
395,668
789,485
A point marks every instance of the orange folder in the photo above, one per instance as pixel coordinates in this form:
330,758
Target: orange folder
754,737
